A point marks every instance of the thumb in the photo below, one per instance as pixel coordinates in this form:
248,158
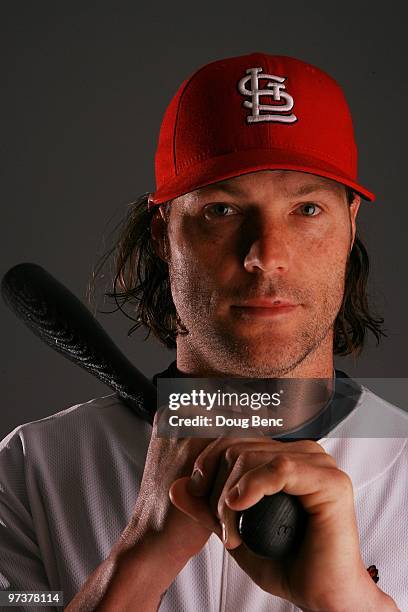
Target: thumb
197,508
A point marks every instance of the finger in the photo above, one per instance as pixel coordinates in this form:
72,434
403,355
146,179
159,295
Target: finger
196,508
232,463
316,483
238,459
254,465
207,462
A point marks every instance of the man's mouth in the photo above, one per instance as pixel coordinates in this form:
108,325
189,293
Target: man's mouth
266,303
265,307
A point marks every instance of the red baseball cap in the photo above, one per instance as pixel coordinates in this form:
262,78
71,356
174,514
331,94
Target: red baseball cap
254,112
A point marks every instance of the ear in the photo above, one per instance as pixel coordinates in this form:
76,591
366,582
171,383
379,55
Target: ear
158,230
354,206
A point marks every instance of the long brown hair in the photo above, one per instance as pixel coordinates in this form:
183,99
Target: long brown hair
141,281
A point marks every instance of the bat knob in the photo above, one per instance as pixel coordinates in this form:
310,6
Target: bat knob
274,527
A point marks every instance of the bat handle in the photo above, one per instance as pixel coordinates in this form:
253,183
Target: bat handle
274,527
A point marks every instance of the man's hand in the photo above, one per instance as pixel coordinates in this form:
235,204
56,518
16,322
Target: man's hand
328,572
158,540
156,521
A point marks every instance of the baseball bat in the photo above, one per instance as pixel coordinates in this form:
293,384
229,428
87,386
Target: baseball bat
272,528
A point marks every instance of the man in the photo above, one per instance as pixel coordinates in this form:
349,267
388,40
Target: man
246,260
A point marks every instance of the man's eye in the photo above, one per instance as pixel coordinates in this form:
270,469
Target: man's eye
310,210
218,210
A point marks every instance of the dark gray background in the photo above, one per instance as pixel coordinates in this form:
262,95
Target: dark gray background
84,90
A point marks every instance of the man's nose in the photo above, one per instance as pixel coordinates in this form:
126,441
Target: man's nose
268,250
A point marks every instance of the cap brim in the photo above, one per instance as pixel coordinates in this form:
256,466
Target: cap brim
237,163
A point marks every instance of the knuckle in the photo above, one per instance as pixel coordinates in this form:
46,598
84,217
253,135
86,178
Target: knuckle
331,460
313,447
342,480
305,446
282,463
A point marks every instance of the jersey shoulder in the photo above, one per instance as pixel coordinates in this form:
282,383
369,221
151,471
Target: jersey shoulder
374,417
81,431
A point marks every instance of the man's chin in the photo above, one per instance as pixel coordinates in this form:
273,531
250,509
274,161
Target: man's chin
266,352
261,339
263,369
261,357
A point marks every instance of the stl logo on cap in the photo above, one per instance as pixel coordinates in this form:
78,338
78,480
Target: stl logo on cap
275,88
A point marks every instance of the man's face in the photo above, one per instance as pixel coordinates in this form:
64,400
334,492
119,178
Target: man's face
237,246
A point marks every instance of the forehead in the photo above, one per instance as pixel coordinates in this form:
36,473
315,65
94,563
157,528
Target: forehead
283,182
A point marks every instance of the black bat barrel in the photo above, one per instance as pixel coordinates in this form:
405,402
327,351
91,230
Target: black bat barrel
62,321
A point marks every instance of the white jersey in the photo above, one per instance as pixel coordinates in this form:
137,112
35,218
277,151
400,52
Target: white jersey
69,482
